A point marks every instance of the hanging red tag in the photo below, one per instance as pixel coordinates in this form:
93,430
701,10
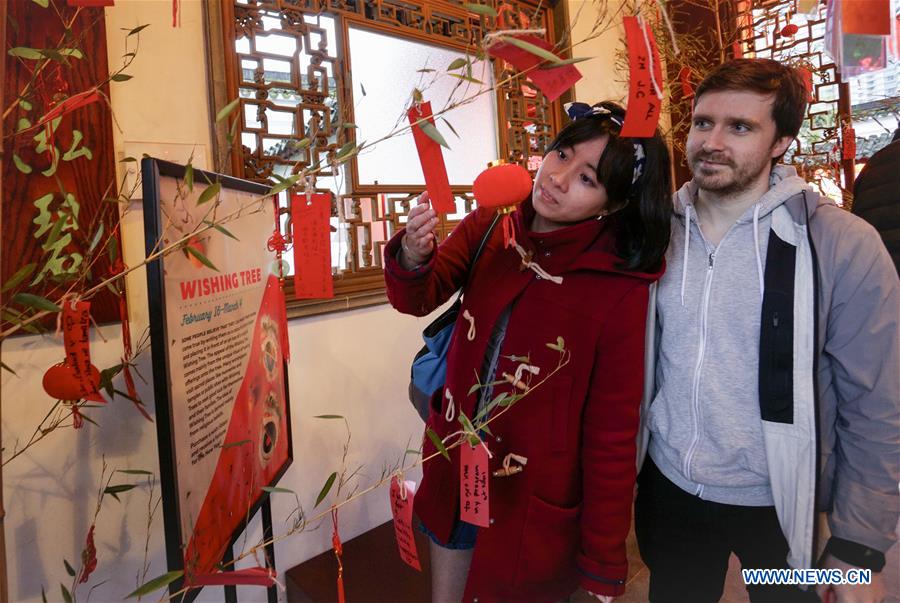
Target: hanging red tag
872,17
473,485
551,82
76,101
643,59
338,553
251,576
848,138
432,160
402,510
76,326
312,245
806,76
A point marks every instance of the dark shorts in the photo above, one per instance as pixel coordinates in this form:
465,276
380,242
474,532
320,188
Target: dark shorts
462,536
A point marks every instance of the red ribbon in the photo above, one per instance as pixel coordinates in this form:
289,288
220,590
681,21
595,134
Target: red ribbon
509,231
88,558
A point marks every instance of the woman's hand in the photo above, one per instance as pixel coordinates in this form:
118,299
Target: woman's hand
418,242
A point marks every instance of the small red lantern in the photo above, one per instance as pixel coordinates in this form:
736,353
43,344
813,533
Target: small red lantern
789,30
503,186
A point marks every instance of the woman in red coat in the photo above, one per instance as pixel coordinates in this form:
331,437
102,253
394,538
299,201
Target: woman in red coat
593,234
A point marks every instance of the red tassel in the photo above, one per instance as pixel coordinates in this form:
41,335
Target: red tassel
509,231
338,551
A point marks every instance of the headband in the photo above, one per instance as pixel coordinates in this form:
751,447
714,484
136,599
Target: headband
578,111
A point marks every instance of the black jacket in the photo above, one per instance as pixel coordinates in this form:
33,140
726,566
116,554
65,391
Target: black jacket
876,196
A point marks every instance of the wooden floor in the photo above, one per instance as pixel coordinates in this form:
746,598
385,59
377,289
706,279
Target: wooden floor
378,575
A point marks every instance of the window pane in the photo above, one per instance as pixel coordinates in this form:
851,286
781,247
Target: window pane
385,67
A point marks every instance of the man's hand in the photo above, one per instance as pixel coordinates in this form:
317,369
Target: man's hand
418,242
850,593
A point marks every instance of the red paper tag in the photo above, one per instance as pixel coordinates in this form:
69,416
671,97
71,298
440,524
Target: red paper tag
848,138
251,576
806,76
473,485
312,245
402,510
76,323
551,82
643,104
872,17
76,101
432,161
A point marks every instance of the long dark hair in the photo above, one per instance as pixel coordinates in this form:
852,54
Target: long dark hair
643,211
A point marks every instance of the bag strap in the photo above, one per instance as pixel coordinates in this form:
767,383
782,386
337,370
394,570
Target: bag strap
481,246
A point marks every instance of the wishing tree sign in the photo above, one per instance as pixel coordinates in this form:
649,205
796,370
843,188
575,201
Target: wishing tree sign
218,331
59,186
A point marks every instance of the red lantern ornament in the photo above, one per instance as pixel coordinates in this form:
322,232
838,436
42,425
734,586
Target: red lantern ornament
503,186
789,30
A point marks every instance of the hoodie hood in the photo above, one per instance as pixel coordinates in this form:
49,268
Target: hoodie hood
783,184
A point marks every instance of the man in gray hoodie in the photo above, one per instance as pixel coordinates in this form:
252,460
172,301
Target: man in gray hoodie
777,373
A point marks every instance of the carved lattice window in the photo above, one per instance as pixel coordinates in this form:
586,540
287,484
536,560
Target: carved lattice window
290,63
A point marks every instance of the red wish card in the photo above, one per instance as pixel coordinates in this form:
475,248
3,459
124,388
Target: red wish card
473,485
312,245
402,509
643,103
866,17
551,82
432,160
76,327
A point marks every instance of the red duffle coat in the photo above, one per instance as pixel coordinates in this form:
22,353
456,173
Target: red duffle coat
563,520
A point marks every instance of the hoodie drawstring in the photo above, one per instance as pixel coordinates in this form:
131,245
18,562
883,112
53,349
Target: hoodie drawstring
759,269
687,244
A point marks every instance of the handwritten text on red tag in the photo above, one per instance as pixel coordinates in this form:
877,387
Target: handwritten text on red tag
402,509
312,245
473,485
643,103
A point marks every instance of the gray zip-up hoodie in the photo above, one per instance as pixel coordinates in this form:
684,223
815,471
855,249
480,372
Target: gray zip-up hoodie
778,367
705,420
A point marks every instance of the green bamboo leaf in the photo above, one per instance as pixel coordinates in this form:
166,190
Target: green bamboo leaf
26,106
325,489
345,150
128,160
96,240
23,124
25,53
437,443
69,569
562,62
303,143
457,64
362,89
20,275
411,451
466,78
209,193
189,176
271,489
328,417
227,109
6,368
137,29
42,4
135,471
121,77
159,582
529,47
43,594
480,9
425,70
21,165
432,132
87,418
286,184
235,444
114,491
221,229
449,125
465,422
474,388
561,342
203,259
65,593
71,52
35,301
